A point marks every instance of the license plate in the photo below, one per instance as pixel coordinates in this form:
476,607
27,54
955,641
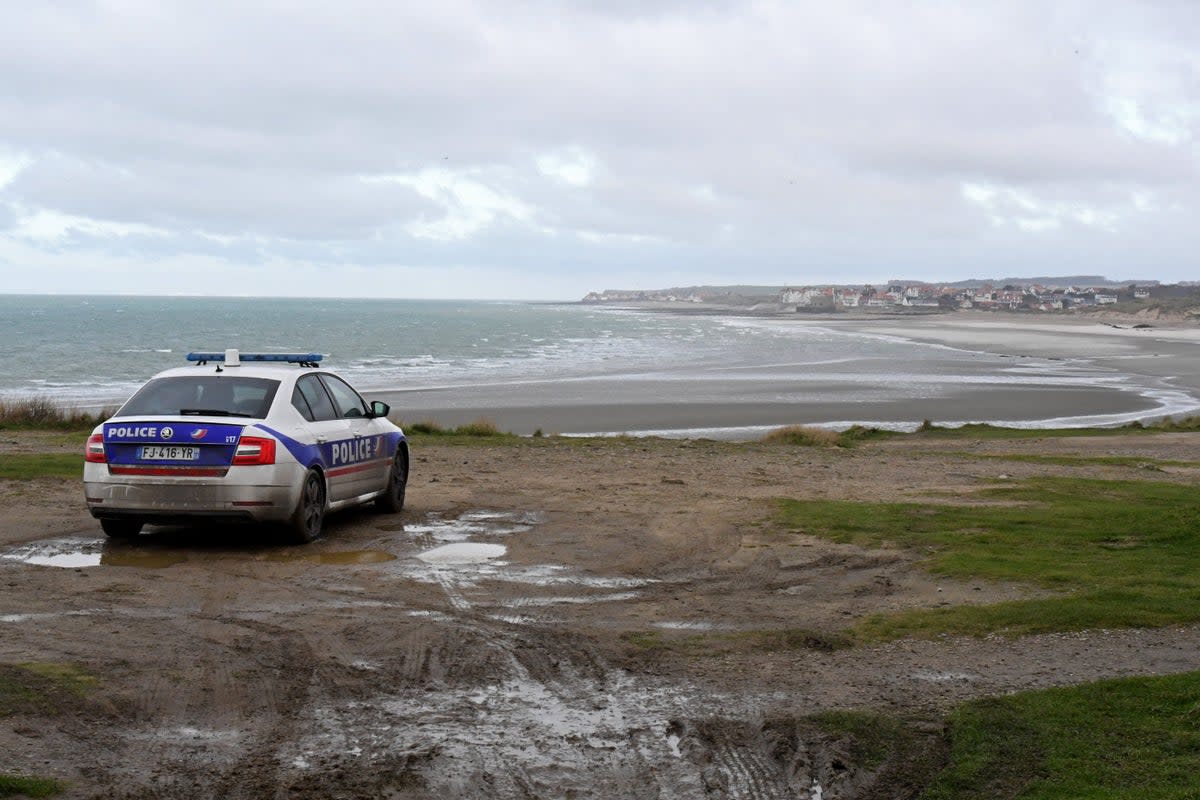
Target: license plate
158,452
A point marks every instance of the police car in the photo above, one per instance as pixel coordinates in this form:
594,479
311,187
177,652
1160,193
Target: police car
246,437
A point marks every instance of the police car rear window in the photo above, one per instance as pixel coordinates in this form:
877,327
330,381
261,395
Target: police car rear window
203,395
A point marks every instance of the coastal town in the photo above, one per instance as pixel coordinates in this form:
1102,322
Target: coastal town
1043,295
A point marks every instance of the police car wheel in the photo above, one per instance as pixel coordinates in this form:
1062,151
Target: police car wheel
309,515
121,528
392,500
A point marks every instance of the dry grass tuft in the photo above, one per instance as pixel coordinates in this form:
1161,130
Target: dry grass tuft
480,427
804,436
42,412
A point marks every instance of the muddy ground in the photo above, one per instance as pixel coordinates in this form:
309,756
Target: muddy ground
548,619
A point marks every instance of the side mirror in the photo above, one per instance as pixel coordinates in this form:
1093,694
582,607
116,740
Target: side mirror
380,409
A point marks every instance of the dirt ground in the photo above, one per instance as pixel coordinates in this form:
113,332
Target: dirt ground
549,619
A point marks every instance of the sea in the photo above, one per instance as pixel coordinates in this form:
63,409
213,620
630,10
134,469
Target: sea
94,351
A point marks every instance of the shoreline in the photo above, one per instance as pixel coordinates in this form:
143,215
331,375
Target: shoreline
1127,375
1016,370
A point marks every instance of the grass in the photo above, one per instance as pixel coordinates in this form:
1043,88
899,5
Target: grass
26,466
65,676
712,643
1115,553
41,688
42,413
793,639
806,436
984,431
1127,739
27,786
1124,739
1078,461
481,428
874,735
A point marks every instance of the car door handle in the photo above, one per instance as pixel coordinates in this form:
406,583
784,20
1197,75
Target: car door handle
320,440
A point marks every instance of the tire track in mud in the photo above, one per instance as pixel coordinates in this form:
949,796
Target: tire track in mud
750,778
453,595
453,703
565,675
213,715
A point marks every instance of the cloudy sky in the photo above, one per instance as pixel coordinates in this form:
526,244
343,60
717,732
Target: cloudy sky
541,149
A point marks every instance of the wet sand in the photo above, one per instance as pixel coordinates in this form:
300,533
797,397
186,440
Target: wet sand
1050,372
1164,350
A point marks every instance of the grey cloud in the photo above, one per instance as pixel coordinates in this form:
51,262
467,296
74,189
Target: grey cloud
218,200
769,132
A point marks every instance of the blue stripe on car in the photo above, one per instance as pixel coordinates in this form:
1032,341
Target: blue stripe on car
309,454
306,454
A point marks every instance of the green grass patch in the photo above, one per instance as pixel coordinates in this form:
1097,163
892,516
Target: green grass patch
66,676
791,639
694,643
875,736
861,433
983,431
27,786
1116,553
41,688
24,466
902,753
1128,739
807,436
1077,461
644,640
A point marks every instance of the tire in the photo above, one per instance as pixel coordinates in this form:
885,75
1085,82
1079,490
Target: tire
392,500
121,528
309,516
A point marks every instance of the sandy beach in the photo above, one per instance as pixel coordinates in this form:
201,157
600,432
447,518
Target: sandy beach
1015,370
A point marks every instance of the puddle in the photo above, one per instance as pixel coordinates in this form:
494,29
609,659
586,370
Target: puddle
80,553
673,740
472,524
576,741
560,575
573,600
45,615
189,736
336,558
686,626
437,616
463,553
67,553
517,619
460,562
943,677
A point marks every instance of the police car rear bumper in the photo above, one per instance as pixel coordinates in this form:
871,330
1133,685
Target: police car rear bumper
177,502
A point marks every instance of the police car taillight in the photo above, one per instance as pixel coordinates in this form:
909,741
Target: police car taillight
254,450
94,452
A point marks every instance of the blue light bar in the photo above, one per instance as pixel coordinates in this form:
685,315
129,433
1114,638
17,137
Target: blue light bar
289,358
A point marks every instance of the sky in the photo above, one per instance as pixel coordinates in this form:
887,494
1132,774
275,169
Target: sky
546,148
